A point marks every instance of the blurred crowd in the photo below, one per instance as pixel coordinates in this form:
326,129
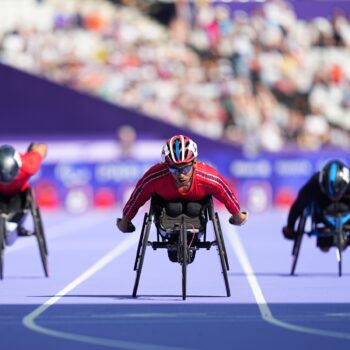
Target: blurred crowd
265,80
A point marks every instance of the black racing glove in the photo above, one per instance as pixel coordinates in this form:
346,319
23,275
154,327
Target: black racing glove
131,227
288,233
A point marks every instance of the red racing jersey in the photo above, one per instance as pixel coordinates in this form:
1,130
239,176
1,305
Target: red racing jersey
31,162
158,181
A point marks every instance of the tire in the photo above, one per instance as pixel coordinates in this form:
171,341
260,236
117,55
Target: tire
40,236
222,252
41,228
142,257
297,243
222,242
39,233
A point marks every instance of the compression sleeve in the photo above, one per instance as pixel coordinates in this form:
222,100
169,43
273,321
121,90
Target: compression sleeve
220,189
142,192
31,162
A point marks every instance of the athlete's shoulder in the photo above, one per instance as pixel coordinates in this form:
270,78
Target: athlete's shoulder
313,182
159,169
206,168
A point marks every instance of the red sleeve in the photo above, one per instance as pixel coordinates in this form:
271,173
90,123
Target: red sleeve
31,162
220,189
142,192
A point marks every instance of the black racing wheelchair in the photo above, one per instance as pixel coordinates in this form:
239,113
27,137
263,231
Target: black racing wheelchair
331,227
182,235
18,216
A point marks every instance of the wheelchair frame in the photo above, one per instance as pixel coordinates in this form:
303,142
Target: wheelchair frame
30,206
183,250
337,229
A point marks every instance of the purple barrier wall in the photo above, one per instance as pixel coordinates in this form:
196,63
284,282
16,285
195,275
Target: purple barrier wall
31,105
34,107
304,9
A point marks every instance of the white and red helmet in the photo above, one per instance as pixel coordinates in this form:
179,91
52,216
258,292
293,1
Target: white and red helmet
179,149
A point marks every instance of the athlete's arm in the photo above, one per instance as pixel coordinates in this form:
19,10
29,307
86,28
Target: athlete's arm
143,191
31,161
305,196
222,191
41,148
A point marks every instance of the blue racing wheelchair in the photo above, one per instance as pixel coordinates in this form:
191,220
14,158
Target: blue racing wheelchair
18,216
182,235
331,227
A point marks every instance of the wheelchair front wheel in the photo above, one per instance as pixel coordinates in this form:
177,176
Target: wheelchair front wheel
40,224
40,236
222,252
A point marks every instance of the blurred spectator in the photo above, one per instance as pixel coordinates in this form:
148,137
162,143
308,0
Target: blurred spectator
126,136
230,76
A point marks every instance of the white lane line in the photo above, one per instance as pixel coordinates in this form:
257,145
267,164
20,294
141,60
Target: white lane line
29,320
265,311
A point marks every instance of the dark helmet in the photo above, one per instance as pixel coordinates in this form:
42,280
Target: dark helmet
334,179
10,163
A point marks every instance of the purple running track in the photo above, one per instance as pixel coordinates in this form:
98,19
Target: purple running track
86,303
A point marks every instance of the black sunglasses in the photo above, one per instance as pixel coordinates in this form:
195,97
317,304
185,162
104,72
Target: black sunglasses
177,171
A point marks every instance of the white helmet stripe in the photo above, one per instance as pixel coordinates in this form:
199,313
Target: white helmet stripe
171,149
183,148
17,158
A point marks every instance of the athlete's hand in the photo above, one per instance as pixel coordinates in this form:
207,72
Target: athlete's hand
41,148
125,225
288,233
239,219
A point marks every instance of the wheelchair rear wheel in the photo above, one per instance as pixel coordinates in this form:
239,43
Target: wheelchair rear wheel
221,251
40,236
140,257
139,246
222,241
297,243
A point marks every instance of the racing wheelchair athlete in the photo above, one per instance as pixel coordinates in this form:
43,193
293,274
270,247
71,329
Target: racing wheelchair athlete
17,199
181,189
325,200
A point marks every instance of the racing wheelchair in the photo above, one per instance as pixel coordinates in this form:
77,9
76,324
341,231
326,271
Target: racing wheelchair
19,216
182,235
331,227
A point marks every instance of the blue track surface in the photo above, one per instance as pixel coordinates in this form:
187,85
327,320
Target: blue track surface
87,304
